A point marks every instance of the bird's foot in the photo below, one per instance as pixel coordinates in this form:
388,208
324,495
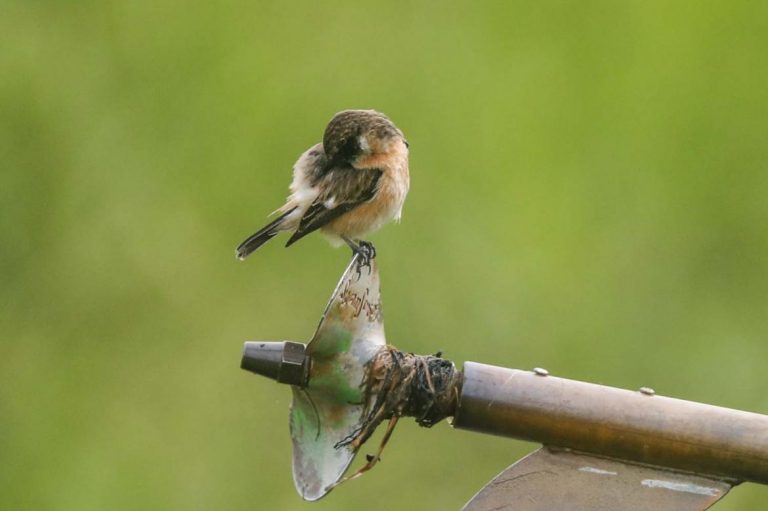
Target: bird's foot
365,252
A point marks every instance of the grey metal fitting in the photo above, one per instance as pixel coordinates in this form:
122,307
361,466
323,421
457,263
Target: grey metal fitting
284,361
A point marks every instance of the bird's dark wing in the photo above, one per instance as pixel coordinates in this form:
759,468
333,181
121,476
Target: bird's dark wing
343,189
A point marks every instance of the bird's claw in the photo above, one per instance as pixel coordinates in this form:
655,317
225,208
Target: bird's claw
365,252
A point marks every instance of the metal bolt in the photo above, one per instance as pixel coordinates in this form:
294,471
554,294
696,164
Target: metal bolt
648,391
539,371
293,368
284,361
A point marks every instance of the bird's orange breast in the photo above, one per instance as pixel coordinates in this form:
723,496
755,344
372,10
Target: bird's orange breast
385,205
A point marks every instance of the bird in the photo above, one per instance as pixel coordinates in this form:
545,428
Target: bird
347,186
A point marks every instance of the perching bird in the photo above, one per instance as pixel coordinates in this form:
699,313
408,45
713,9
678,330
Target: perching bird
347,186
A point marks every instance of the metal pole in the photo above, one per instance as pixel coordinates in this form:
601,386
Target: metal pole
634,426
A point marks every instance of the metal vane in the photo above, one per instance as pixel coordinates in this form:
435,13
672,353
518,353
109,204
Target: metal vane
550,479
328,401
330,408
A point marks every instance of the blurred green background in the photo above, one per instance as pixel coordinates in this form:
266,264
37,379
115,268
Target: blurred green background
589,185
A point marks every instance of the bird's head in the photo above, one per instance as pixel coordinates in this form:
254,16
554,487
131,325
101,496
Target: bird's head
361,138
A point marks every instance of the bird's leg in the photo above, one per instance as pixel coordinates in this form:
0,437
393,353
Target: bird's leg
351,244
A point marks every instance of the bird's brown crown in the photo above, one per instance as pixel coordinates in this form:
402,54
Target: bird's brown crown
355,134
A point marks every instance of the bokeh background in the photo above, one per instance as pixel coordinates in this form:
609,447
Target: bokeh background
589,185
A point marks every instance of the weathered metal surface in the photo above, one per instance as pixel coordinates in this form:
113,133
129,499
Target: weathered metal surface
634,426
550,480
329,409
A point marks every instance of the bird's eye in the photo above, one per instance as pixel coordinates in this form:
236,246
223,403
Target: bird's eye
348,149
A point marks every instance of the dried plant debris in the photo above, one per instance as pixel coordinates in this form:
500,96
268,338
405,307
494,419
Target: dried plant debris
400,384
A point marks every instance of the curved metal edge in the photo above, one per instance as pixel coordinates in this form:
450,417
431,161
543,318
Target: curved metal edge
554,479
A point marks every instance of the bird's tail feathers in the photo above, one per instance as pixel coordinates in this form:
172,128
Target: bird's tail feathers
261,236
